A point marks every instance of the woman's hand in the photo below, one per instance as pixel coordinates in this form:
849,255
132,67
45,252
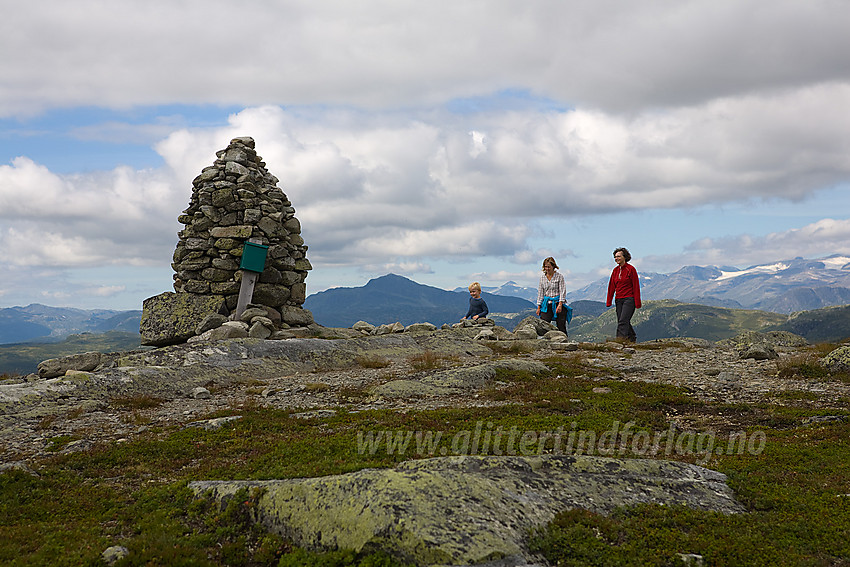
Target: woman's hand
538,311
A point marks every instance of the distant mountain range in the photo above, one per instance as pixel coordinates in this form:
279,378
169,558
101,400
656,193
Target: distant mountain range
392,298
710,308
508,288
781,287
40,323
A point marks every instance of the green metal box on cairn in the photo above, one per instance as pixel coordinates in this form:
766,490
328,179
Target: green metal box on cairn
254,257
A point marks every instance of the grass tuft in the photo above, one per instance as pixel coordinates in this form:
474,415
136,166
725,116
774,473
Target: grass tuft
429,360
373,361
807,366
137,402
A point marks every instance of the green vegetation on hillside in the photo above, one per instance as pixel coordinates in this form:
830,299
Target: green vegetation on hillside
669,318
23,358
819,325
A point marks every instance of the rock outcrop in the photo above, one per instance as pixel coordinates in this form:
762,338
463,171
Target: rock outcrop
762,346
467,509
838,360
234,201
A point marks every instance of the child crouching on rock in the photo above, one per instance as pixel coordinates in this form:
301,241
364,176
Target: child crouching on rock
477,306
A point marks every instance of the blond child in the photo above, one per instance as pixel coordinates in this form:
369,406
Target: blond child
477,306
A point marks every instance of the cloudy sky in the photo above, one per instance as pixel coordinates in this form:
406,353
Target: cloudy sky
446,141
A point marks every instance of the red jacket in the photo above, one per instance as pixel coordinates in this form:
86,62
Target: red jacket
624,282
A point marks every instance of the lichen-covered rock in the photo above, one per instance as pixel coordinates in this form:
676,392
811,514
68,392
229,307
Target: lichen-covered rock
171,318
211,321
761,346
59,366
772,339
525,333
389,328
296,316
466,509
261,328
485,335
838,360
539,325
455,380
758,351
114,553
555,336
363,327
569,346
480,322
420,327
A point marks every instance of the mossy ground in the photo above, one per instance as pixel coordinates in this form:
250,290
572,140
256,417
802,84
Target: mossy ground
796,488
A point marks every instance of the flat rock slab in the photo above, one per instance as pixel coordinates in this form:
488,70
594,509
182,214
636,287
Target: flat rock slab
448,382
467,509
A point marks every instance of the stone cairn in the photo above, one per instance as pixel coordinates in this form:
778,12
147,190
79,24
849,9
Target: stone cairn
234,200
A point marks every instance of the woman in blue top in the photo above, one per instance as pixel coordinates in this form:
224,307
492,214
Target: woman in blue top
477,306
551,294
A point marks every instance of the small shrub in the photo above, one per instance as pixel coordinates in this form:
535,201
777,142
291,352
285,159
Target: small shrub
797,395
136,418
58,442
353,394
341,558
807,366
823,349
137,401
47,421
428,360
316,387
372,361
75,413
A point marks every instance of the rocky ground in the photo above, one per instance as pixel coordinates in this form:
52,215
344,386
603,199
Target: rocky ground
175,387
81,402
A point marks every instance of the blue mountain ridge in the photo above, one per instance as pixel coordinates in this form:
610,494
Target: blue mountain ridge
393,298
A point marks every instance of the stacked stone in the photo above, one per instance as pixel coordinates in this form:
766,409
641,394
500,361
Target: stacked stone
234,200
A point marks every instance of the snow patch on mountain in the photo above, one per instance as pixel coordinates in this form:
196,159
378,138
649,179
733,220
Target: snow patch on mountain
768,269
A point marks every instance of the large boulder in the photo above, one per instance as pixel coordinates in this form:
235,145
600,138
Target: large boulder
467,509
540,326
838,360
55,367
296,316
762,346
171,318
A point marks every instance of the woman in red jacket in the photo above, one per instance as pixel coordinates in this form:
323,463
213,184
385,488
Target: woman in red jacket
625,285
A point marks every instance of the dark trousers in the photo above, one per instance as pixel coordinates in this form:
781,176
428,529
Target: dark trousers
561,321
625,310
